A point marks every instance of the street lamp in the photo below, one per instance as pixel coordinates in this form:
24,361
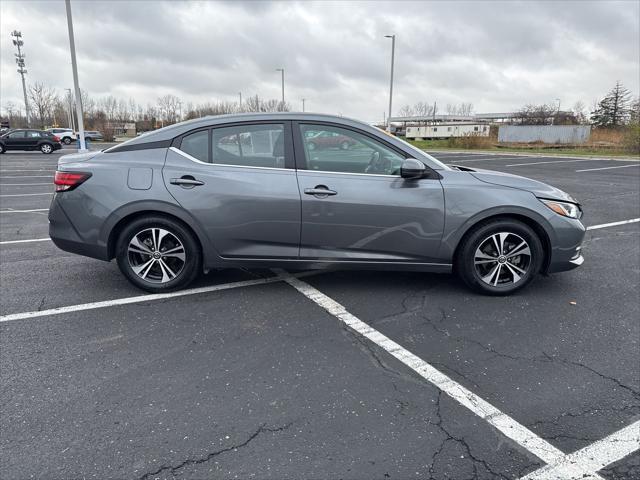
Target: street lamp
17,41
393,51
76,85
303,100
558,114
71,126
282,71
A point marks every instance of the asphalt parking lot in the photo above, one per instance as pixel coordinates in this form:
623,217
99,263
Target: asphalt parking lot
354,375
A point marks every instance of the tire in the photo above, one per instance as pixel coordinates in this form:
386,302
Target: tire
489,269
344,146
46,148
153,271
66,140
2,149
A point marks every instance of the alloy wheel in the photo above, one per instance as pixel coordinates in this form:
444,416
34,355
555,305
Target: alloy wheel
502,259
156,255
46,148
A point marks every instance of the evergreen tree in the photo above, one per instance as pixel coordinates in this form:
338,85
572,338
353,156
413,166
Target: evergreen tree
614,109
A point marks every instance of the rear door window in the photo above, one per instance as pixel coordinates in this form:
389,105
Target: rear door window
249,145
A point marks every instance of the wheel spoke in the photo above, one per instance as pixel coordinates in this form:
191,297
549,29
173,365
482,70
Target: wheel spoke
139,247
143,270
489,277
522,249
485,256
514,274
167,273
517,268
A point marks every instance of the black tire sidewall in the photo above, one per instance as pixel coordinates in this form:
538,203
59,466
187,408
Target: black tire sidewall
465,262
2,149
192,264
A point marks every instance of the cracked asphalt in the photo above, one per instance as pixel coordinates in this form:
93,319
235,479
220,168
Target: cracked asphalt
260,382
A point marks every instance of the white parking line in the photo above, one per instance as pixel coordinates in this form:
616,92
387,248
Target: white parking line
28,176
27,170
555,161
26,194
22,184
607,168
585,463
501,421
481,159
30,240
11,210
613,224
136,299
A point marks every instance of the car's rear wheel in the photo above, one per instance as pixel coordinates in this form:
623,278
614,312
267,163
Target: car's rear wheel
66,140
2,149
158,254
500,257
46,148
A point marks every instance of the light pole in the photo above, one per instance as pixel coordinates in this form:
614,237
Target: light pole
558,114
74,67
17,41
282,71
393,52
70,109
240,101
303,104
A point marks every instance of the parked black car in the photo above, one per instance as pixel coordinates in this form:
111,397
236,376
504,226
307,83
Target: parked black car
23,139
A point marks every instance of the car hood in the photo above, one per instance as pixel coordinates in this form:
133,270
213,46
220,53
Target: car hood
539,189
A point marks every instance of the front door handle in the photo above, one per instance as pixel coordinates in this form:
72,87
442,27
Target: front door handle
320,191
186,181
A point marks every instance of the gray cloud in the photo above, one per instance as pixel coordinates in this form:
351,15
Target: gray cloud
498,55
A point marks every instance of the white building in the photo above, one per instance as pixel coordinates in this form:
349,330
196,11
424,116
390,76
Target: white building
447,130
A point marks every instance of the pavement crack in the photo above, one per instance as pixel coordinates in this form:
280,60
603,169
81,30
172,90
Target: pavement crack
196,461
544,357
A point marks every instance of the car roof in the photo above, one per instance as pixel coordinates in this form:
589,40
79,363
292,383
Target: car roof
172,131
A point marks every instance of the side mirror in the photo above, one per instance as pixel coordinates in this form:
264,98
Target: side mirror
412,168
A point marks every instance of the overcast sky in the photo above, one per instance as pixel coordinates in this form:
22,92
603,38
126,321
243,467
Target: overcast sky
497,55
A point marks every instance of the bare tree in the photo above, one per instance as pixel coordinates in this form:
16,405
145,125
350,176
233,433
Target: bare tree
168,106
42,101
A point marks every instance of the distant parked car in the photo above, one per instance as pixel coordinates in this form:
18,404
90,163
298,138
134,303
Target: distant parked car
23,139
65,135
318,140
93,135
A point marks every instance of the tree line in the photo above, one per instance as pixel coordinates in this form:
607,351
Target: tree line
49,108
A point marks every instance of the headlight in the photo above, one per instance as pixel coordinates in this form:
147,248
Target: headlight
566,209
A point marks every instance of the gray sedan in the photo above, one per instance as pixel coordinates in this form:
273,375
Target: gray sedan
249,191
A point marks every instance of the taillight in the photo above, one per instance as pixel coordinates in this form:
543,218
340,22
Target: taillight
65,181
56,139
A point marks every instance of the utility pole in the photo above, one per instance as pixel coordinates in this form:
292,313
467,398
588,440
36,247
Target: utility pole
70,105
240,102
17,41
282,71
303,104
74,67
557,114
393,52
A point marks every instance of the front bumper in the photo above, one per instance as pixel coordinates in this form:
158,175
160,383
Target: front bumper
566,250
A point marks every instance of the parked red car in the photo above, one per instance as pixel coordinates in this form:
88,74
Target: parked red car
326,139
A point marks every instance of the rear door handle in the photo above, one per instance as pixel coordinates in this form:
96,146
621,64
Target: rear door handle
320,191
186,181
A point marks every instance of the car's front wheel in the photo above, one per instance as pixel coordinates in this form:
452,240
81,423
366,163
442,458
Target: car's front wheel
500,257
158,254
46,148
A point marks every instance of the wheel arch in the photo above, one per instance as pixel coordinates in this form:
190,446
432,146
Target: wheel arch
536,222
123,216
